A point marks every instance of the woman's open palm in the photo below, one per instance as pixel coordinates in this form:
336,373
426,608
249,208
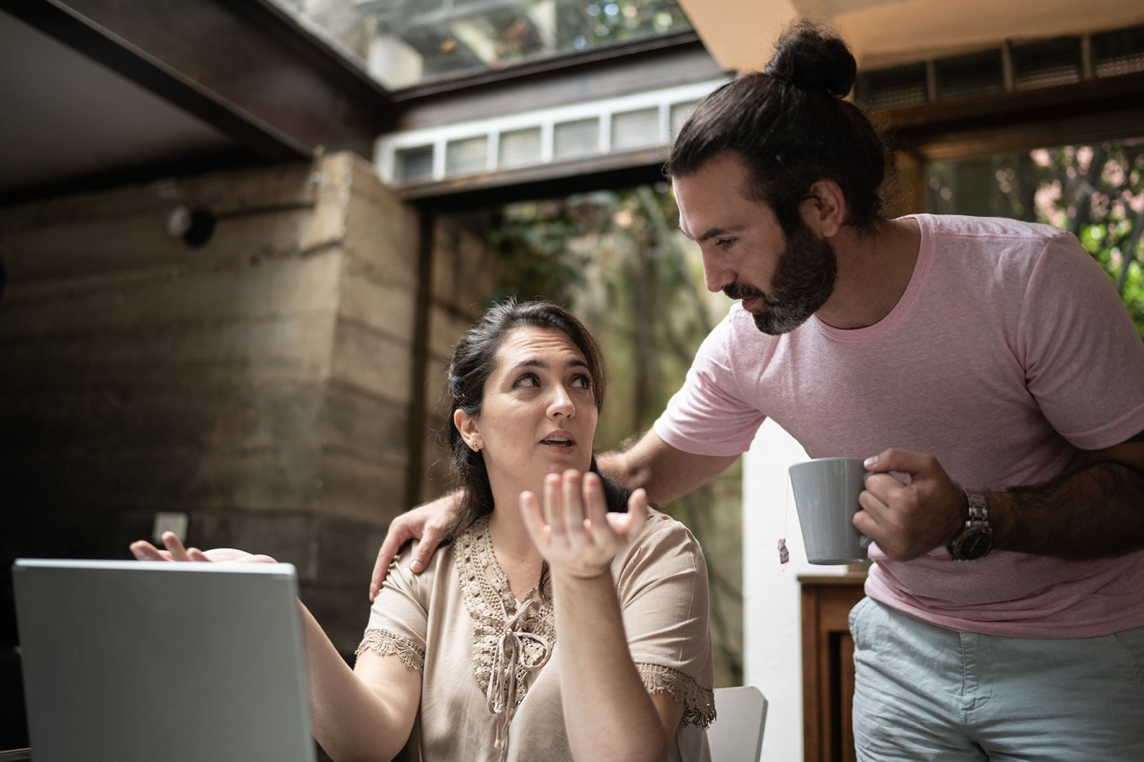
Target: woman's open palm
574,532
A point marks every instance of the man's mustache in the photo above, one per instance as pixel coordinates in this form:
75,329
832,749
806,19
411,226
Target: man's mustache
742,291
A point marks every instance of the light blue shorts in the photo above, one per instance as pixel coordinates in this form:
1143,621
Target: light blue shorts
927,693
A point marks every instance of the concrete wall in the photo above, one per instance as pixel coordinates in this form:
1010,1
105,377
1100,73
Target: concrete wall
260,384
463,278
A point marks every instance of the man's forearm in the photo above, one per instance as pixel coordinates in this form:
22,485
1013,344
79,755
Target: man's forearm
1097,512
665,472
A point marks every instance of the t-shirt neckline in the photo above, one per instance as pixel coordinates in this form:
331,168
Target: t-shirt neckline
905,302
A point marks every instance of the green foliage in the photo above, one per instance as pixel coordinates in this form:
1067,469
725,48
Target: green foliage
583,24
615,258
1096,240
1095,192
531,240
619,262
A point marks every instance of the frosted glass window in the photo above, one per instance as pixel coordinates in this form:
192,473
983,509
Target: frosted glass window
576,138
680,113
520,147
635,129
415,163
465,156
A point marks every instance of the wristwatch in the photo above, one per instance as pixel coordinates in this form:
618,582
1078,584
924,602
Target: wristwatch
976,539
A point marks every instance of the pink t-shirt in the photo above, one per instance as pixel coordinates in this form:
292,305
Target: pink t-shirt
1008,351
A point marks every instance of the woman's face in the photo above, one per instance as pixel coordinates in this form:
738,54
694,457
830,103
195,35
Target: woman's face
539,412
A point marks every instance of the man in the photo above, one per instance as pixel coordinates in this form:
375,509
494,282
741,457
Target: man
989,374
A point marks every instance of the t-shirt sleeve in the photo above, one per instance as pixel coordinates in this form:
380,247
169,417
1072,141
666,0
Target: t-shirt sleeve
398,619
662,585
709,416
1083,359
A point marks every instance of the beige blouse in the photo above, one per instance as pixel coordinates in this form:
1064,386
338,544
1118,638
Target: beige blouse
490,688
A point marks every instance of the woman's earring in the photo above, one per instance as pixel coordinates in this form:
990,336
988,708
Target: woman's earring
474,447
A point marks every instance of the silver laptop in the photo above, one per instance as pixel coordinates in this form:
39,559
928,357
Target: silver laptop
129,661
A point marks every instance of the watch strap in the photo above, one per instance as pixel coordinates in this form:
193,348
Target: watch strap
974,541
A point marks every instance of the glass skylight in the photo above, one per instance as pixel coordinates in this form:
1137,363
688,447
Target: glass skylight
403,43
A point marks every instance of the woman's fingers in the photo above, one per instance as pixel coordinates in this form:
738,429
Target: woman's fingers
637,513
533,520
597,508
145,551
174,546
573,505
574,531
553,511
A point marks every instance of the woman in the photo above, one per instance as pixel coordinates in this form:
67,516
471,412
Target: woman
468,647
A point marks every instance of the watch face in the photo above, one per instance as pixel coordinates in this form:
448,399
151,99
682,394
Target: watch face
976,545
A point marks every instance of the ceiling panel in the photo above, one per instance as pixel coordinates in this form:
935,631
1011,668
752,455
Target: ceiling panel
66,116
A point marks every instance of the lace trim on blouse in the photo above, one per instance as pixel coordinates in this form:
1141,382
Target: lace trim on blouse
509,642
383,642
494,610
698,703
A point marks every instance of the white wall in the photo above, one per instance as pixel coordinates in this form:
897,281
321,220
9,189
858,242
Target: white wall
771,615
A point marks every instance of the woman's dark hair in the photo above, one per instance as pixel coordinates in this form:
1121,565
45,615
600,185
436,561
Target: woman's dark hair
791,127
474,360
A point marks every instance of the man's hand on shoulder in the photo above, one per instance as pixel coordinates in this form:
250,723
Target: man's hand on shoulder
909,520
428,523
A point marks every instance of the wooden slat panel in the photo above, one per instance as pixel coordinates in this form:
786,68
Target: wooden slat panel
827,664
846,691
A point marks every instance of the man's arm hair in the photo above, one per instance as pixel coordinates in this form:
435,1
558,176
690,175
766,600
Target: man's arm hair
1095,510
662,470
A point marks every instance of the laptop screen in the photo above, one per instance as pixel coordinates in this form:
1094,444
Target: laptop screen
130,660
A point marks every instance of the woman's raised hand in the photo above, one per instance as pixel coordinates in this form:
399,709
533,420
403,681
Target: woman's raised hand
145,551
575,533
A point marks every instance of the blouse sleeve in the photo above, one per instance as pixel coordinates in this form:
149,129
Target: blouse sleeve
399,615
662,585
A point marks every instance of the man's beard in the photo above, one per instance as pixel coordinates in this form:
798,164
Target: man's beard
802,282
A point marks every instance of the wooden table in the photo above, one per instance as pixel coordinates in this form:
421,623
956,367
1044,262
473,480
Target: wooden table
828,665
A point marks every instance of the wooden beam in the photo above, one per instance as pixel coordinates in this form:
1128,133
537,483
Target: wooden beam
583,78
626,53
563,178
241,66
1087,111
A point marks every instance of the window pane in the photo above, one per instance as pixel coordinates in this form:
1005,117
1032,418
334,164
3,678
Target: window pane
415,163
576,138
401,43
465,156
635,129
520,147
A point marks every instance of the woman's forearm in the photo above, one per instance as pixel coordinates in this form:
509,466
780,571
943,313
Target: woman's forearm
353,720
607,710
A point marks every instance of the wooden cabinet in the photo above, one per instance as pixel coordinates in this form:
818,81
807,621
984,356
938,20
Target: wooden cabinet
828,665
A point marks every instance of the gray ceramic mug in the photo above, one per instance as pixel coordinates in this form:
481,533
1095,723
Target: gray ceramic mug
826,494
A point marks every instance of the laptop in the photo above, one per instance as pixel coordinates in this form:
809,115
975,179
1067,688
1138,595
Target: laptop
133,661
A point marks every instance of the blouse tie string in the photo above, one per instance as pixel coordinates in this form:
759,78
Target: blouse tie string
511,654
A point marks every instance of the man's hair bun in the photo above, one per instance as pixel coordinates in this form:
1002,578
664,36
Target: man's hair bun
809,57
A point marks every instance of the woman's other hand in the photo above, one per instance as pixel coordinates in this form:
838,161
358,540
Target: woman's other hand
575,533
145,551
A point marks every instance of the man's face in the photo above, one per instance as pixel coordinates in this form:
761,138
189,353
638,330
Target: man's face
781,280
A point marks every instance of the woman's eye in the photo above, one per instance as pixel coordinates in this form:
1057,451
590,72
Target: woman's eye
582,382
527,380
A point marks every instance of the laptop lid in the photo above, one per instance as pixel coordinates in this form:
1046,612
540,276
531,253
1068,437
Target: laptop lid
132,661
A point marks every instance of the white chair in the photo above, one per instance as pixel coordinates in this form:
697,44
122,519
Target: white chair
737,733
